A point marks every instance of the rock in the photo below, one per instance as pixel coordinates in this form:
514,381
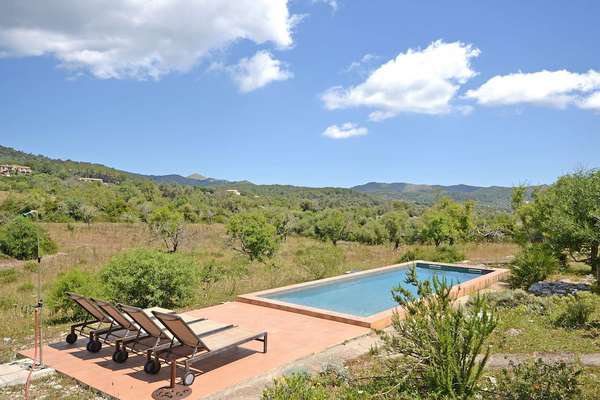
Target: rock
560,288
7,340
514,332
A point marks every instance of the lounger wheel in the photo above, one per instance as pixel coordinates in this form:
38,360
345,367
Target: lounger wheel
188,378
94,346
71,338
152,366
120,356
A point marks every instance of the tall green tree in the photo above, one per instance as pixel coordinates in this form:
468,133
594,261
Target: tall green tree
447,222
566,216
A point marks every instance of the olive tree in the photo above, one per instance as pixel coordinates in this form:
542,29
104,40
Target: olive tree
395,223
331,225
251,234
566,216
168,225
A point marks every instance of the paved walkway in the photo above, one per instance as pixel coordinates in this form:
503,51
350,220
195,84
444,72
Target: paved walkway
291,337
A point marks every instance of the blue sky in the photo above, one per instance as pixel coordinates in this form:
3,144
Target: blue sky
490,94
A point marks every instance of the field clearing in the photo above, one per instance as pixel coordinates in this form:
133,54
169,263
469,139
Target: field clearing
89,248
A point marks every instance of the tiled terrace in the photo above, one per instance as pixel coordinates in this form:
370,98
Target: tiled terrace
292,336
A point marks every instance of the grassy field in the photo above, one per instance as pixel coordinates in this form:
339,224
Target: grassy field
90,247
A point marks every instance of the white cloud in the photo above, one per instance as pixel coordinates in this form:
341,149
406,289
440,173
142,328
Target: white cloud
419,81
360,64
134,38
331,3
545,88
257,71
345,131
592,102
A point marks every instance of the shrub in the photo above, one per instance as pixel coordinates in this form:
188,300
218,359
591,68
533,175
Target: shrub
297,386
26,287
19,239
519,298
532,265
319,260
448,254
77,281
576,312
538,381
443,344
146,278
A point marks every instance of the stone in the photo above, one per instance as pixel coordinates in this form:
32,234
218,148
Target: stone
561,288
514,332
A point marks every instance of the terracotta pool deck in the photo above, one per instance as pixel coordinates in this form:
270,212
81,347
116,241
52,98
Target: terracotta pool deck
292,336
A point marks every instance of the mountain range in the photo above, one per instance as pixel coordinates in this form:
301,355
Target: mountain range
492,196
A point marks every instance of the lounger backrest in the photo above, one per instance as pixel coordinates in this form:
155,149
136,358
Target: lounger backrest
143,320
178,328
88,306
115,314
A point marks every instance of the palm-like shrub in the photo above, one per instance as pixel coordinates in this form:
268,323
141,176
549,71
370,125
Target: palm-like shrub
532,265
440,342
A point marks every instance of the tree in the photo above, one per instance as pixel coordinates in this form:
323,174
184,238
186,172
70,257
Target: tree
319,260
251,234
20,238
566,216
447,221
331,226
168,225
395,225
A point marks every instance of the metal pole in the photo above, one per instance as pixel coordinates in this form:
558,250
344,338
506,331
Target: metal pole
39,298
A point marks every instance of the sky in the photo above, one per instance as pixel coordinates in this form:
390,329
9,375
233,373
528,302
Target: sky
307,92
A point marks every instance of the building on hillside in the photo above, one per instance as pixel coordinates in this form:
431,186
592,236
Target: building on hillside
13,169
97,180
233,191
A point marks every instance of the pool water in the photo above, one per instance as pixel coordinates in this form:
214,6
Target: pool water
369,294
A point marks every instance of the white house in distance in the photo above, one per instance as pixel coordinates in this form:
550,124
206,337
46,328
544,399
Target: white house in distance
97,180
13,169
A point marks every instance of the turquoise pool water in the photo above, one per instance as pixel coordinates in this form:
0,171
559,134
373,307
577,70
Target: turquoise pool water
369,294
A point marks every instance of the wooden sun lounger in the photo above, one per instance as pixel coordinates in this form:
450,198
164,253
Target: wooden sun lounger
194,346
158,338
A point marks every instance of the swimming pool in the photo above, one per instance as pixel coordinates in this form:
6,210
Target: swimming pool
366,295
364,298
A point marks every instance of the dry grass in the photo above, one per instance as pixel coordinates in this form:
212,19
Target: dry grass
90,247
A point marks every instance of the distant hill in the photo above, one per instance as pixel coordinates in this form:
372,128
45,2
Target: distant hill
493,196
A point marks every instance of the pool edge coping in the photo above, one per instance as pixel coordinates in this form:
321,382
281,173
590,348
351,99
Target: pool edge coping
375,321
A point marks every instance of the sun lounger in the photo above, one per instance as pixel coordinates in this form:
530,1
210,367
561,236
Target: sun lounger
96,322
195,346
159,338
130,334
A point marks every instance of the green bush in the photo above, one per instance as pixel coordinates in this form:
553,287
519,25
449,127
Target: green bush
146,278
532,265
508,299
319,260
19,239
448,254
575,313
76,281
297,386
537,381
